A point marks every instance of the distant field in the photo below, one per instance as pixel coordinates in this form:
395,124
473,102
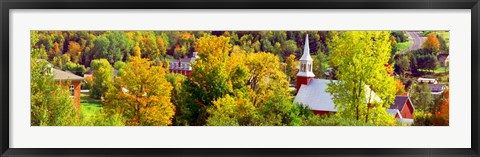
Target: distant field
403,46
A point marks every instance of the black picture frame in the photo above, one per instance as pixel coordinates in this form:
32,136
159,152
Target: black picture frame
6,5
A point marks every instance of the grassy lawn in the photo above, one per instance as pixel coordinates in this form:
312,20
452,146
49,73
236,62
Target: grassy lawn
436,71
439,74
403,46
91,106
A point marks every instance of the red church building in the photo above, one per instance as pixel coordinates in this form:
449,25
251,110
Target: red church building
311,93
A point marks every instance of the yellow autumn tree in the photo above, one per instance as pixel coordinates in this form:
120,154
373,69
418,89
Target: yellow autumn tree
400,87
290,67
431,42
136,50
209,72
142,95
265,77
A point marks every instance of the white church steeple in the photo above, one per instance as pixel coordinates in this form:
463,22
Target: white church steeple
306,62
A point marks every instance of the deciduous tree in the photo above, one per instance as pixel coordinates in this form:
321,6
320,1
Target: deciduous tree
361,58
421,97
51,104
102,77
431,43
142,95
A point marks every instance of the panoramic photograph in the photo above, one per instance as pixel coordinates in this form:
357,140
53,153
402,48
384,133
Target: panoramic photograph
239,78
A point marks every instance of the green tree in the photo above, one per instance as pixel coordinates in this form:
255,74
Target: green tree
360,57
426,62
51,104
142,95
290,47
102,77
231,111
186,110
75,68
402,64
421,97
100,50
119,64
319,67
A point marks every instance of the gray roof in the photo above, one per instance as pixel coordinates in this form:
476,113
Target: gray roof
315,97
188,60
393,112
437,87
63,75
400,102
405,120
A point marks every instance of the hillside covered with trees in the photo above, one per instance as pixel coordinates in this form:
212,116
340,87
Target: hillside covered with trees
239,78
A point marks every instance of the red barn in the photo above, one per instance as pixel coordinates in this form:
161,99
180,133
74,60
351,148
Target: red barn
404,106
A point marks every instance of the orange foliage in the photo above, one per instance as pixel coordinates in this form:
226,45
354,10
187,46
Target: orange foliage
444,107
186,36
431,42
55,47
389,69
400,88
75,51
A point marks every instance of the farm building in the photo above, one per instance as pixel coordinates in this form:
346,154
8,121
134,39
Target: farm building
402,108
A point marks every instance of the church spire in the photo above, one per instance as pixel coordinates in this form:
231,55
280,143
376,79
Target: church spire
306,62
306,51
305,74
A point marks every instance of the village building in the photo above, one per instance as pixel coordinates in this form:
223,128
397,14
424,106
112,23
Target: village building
427,80
72,81
435,87
311,92
66,78
402,108
443,59
183,65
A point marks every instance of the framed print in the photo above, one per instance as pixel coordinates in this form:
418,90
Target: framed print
236,78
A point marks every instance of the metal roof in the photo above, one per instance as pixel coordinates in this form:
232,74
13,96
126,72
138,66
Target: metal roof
315,97
394,112
437,87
